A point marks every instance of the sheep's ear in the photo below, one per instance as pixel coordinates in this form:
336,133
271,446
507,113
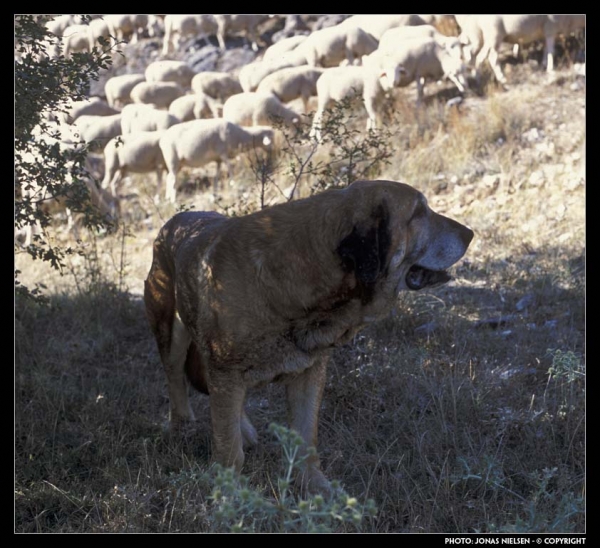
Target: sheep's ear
365,250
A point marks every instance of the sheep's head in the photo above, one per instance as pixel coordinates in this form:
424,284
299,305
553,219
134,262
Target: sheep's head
391,75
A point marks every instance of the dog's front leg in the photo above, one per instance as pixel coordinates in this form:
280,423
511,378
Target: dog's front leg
304,394
226,410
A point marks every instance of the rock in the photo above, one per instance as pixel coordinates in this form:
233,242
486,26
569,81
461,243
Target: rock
525,302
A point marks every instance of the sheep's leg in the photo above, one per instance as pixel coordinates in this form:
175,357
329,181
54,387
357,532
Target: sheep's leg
516,50
549,53
459,81
315,130
113,182
493,59
420,92
170,193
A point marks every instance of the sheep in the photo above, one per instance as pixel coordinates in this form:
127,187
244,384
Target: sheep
376,25
170,71
273,52
257,109
132,153
195,105
339,83
92,106
158,94
77,38
251,74
99,28
290,83
98,129
59,23
178,26
199,142
241,22
392,37
330,46
294,26
140,117
125,25
420,58
218,85
522,29
118,88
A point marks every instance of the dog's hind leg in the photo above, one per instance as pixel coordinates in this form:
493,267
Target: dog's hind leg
174,363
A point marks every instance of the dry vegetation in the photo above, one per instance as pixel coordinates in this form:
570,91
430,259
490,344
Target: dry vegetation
463,412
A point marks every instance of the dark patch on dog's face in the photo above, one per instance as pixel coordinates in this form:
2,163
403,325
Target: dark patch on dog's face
365,252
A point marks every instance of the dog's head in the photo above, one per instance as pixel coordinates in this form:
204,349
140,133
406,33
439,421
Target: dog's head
393,240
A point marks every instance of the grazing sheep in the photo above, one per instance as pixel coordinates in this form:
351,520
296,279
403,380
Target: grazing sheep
157,94
133,153
195,105
92,106
252,74
199,142
244,23
77,38
392,37
138,117
376,25
118,88
257,109
59,23
273,52
98,129
170,71
99,28
290,83
330,46
294,26
177,26
522,29
218,85
339,83
421,58
128,27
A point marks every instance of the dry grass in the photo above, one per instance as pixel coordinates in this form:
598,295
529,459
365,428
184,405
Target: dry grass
463,412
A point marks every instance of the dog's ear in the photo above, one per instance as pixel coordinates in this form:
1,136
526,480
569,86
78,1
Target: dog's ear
365,250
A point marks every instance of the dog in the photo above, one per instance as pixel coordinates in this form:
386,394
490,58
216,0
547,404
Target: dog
237,302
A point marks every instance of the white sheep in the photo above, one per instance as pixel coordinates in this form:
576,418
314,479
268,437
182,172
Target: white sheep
419,59
338,83
252,74
132,153
170,71
257,109
285,45
98,129
91,106
198,142
392,37
330,46
376,25
140,117
244,23
291,83
128,27
218,85
99,28
177,26
118,88
522,29
195,105
77,38
158,94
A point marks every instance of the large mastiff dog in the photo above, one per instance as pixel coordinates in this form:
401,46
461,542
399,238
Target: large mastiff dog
236,302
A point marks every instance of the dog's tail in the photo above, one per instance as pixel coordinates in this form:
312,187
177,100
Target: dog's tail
195,369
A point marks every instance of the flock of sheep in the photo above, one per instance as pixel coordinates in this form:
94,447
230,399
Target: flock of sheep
169,116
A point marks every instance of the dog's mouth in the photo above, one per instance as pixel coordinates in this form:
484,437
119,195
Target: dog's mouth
419,277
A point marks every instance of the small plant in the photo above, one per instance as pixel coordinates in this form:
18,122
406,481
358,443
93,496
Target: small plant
305,166
239,508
